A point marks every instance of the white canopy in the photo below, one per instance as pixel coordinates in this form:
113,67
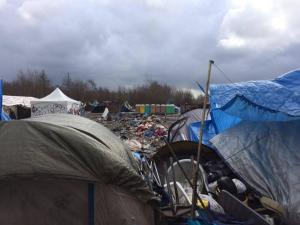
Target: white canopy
56,96
9,100
56,102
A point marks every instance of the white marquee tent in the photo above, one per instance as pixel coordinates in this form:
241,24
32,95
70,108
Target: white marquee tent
56,102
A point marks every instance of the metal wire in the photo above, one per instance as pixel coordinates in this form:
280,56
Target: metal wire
224,74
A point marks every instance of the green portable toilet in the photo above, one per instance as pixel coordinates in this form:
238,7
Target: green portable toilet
167,109
172,109
147,108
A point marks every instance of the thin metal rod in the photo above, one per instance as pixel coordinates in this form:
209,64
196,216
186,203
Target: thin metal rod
174,181
157,174
169,188
194,198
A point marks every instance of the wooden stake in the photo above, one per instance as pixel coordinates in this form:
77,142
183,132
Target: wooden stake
194,198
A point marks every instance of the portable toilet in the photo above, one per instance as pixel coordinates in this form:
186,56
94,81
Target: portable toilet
137,108
147,109
168,109
163,108
142,108
172,109
153,108
157,108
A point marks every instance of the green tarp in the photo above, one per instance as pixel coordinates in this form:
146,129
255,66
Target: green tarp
68,147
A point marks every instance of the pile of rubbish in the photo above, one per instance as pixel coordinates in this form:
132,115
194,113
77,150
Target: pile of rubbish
140,132
223,197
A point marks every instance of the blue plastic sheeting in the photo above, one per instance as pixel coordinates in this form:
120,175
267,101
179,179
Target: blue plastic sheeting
290,80
208,132
180,130
1,93
206,217
266,156
5,117
276,100
239,109
281,94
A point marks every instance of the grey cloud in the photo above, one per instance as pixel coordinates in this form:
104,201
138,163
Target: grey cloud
127,42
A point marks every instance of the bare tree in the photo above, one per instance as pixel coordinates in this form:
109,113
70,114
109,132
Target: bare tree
38,84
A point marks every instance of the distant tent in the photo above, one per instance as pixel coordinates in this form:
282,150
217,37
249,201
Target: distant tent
56,102
95,107
179,131
126,107
9,100
66,169
20,105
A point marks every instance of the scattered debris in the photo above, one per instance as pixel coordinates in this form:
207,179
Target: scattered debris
139,132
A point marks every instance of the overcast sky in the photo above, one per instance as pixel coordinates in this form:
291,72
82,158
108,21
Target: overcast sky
125,42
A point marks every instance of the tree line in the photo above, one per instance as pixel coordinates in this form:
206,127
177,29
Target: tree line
38,84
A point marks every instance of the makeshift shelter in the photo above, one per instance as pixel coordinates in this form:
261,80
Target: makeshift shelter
263,100
65,169
95,107
266,100
9,100
19,105
126,107
56,102
266,156
186,128
179,131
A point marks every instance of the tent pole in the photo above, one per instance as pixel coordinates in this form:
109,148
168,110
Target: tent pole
194,199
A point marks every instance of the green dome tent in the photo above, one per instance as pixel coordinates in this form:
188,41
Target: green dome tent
65,169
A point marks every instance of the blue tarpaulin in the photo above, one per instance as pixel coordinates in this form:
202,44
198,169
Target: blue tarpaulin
3,115
1,99
275,100
208,132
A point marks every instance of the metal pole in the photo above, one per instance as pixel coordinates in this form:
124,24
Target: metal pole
194,198
174,181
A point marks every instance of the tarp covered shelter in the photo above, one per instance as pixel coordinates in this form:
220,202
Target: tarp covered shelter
266,156
179,131
126,107
95,107
65,169
187,127
9,100
56,102
265,100
19,105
